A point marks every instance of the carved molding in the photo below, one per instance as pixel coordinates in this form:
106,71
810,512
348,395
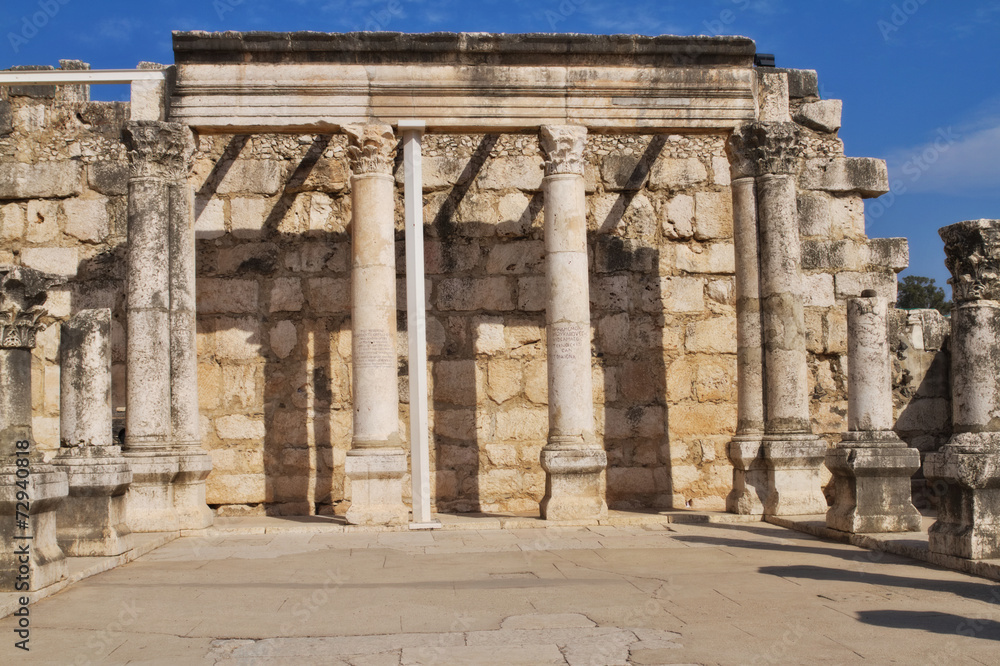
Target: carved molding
22,293
159,150
972,254
563,146
758,149
372,148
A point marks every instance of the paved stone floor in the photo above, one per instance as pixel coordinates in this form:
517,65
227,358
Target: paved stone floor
653,594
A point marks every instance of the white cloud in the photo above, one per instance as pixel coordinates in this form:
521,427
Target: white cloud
953,161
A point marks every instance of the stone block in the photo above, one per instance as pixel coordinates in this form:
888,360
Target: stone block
851,284
454,424
329,295
464,294
325,175
682,294
924,415
889,253
286,295
715,379
522,424
613,333
822,116
236,489
815,214
210,219
108,178
840,255
624,172
439,172
516,257
610,293
701,419
677,173
801,82
220,295
455,383
709,258
43,221
248,217
489,337
237,339
679,220
251,177
536,382
847,216
865,176
721,174
6,118
63,261
503,379
772,96
12,219
87,219
716,335
40,181
519,173
624,482
817,290
240,426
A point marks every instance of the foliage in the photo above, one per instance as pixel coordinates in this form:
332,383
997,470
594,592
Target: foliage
915,292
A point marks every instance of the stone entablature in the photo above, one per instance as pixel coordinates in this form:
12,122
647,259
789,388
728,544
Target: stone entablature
623,83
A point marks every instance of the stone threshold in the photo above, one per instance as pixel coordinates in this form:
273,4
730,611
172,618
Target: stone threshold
85,567
906,544
457,521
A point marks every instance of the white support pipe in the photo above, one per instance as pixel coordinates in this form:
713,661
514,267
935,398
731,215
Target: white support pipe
416,326
54,77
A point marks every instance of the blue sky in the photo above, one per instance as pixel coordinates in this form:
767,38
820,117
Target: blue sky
920,79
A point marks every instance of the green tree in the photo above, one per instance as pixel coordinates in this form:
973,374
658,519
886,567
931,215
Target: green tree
915,292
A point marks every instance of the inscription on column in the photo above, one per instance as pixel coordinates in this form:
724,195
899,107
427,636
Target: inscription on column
374,349
567,342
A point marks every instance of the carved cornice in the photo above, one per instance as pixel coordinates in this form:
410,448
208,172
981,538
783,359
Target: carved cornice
372,148
159,150
563,146
22,293
758,149
972,254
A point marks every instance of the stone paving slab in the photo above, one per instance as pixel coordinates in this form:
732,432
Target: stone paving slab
662,594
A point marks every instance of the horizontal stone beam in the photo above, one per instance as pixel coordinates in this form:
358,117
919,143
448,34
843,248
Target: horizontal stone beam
866,176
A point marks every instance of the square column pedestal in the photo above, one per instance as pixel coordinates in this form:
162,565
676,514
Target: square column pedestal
968,522
793,475
573,484
376,487
47,490
151,495
92,522
871,486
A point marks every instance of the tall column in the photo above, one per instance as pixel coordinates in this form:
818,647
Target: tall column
871,466
159,155
194,463
376,462
791,454
27,484
745,453
572,458
968,523
93,522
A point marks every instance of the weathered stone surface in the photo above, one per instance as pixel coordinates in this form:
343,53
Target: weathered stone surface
677,173
43,221
251,177
865,176
823,116
801,82
283,338
713,215
6,118
87,219
108,178
55,260
286,295
217,296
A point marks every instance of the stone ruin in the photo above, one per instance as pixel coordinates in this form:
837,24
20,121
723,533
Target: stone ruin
646,268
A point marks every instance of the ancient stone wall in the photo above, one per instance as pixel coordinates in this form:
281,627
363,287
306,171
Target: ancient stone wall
272,215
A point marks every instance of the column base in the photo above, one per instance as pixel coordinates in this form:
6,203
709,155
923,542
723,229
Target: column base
47,490
750,484
793,465
194,466
968,523
573,484
151,495
93,522
872,485
376,487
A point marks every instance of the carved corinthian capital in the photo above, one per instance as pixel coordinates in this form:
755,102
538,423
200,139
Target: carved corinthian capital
372,148
972,254
159,150
22,293
758,149
563,146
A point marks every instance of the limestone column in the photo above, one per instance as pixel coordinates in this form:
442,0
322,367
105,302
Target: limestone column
158,156
745,453
791,454
43,487
871,466
194,463
968,523
572,458
92,523
376,463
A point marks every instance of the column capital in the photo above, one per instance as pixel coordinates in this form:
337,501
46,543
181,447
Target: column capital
563,146
372,148
972,254
759,149
22,293
159,150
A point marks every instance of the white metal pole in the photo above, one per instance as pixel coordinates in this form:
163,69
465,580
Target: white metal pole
416,324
